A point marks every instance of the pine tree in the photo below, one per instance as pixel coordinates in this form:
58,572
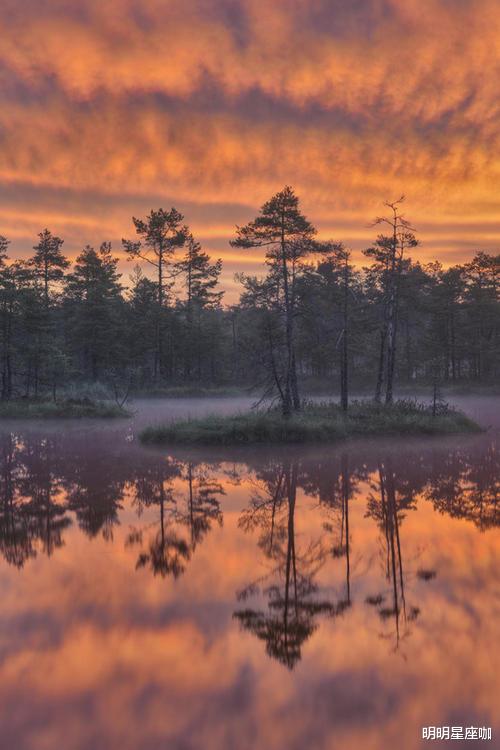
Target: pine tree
388,254
288,237
94,302
482,307
161,233
48,262
142,316
199,278
6,303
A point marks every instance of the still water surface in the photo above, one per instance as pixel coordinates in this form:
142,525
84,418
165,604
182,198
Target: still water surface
309,598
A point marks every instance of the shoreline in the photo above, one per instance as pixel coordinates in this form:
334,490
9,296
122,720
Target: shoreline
64,409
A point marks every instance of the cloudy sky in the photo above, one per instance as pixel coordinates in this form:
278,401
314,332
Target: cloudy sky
113,107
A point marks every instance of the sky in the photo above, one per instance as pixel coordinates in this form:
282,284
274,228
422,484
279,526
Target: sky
112,108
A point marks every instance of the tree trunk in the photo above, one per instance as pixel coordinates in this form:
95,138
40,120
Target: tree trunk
291,482
345,502
392,317
287,402
391,345
189,321
344,396
381,364
453,347
191,513
409,363
46,284
159,338
294,384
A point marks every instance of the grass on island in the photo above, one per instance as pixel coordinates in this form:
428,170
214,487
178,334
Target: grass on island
67,408
320,422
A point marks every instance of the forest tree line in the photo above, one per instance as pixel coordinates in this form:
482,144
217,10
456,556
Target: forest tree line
313,316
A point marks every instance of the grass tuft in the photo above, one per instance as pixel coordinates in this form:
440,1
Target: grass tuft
317,422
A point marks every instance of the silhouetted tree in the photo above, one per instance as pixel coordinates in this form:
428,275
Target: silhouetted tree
389,513
388,255
161,233
201,507
482,312
94,303
200,278
48,261
311,317
293,603
288,238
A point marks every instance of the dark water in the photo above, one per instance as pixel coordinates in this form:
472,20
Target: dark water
311,598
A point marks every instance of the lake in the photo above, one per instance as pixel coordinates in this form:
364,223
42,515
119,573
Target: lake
254,599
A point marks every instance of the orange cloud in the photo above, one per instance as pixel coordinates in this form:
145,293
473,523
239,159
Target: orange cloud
199,102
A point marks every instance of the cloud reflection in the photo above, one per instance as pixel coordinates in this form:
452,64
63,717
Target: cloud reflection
351,543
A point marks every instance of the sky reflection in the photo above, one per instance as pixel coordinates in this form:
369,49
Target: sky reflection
343,596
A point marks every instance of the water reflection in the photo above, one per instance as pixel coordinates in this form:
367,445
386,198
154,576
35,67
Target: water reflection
388,505
321,565
195,508
47,485
33,514
294,599
465,486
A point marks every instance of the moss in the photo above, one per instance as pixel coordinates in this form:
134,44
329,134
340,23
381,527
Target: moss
68,408
323,422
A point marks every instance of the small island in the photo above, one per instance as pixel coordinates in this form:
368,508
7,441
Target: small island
316,422
69,408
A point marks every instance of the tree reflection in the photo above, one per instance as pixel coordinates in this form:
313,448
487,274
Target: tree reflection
293,598
41,486
187,499
201,506
166,553
51,481
16,539
388,508
467,486
342,489
48,480
94,479
33,515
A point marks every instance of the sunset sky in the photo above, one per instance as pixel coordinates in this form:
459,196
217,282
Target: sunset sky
113,107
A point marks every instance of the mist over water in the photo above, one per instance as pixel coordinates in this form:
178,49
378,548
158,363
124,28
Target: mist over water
319,596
